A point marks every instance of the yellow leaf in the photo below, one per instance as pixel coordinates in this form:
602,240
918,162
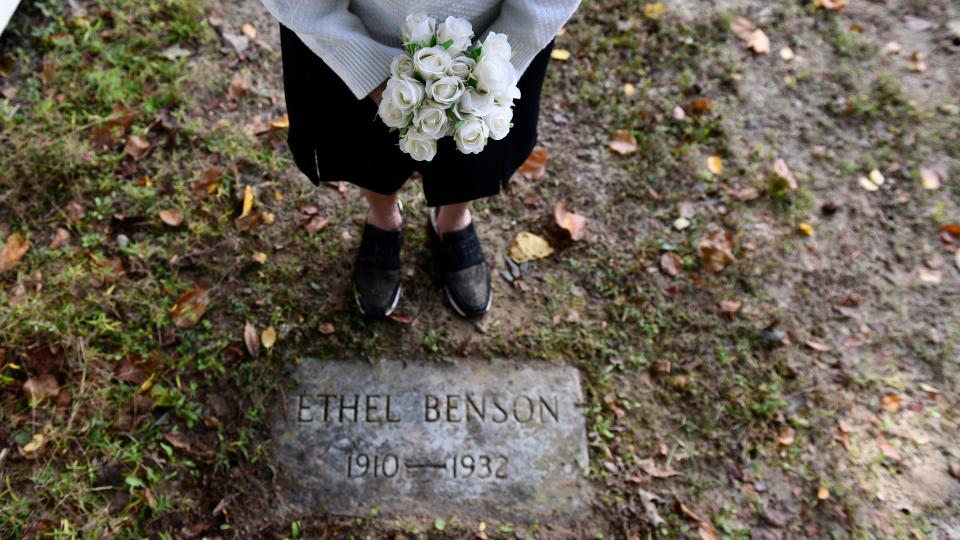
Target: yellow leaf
876,177
281,123
715,165
528,246
15,247
247,201
260,257
654,11
805,228
629,89
622,142
268,337
823,493
35,443
560,54
147,384
866,184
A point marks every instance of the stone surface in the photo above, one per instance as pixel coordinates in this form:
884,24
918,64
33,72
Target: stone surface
473,438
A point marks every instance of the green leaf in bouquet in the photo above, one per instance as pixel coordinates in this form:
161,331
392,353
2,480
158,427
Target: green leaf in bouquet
458,124
475,54
472,82
446,44
433,40
419,77
412,48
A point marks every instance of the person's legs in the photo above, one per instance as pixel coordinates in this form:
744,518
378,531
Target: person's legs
453,217
383,212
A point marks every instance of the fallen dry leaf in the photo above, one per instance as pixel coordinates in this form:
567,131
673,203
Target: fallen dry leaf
536,164
177,440
191,306
35,444
715,165
670,263
759,42
574,224
742,28
805,228
787,436
208,182
60,238
75,211
250,339
40,388
932,277
137,147
653,470
129,370
247,201
249,31
891,402
15,247
832,5
817,345
823,493
172,217
716,251
316,224
654,11
930,179
783,172
268,337
401,318
622,142
560,54
327,328
281,123
888,450
730,307
528,247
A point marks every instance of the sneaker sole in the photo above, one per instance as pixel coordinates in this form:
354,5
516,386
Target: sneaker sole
460,311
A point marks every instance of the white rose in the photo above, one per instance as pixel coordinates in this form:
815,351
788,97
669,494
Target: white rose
472,135
495,75
405,92
421,147
431,120
496,46
499,122
392,115
401,66
445,90
475,103
419,29
431,62
458,30
461,67
506,99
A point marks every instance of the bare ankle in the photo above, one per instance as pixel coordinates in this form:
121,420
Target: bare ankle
385,219
453,217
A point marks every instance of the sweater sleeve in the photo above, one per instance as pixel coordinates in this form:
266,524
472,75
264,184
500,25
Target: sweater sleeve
339,38
530,25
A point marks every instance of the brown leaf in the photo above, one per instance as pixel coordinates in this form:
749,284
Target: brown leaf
249,31
316,224
281,123
75,211
15,247
783,172
137,147
731,307
107,133
41,388
60,238
251,339
716,251
327,328
742,28
401,318
889,451
787,436
622,142
257,125
574,224
670,263
250,221
652,469
177,440
208,182
239,85
172,217
536,164
759,42
129,370
832,5
891,402
191,306
817,345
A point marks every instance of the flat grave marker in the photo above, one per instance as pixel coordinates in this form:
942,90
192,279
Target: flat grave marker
473,438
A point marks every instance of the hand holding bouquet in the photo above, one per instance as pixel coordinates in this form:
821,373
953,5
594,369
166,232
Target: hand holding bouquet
442,85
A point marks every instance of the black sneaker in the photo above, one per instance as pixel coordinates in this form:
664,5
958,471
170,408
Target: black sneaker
376,276
466,275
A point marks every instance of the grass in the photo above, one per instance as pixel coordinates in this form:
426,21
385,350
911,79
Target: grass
152,456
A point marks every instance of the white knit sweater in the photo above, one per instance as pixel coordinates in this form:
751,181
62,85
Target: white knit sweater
359,38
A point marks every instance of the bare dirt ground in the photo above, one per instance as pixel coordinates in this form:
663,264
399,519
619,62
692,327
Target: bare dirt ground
807,388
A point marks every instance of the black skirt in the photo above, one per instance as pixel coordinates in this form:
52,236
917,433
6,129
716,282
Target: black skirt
334,136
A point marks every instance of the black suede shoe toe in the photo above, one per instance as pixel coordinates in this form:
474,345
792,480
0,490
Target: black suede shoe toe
376,277
466,274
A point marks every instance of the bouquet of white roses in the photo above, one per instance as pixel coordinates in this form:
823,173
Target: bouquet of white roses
444,85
